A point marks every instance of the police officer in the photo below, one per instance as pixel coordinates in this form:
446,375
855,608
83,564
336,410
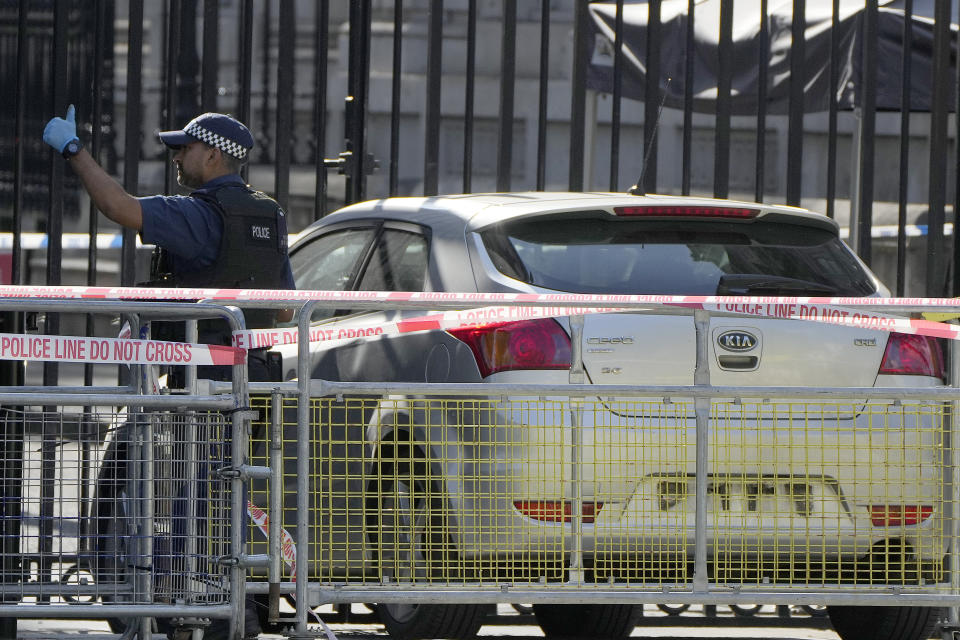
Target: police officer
223,234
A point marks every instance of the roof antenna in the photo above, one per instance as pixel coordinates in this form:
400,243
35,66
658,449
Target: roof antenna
637,189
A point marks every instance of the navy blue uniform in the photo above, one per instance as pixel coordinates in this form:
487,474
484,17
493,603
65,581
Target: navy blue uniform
189,228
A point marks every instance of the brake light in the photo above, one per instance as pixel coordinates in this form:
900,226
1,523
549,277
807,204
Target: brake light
687,211
913,355
557,511
526,344
895,515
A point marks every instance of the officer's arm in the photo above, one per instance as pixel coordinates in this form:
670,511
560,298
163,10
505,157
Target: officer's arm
106,193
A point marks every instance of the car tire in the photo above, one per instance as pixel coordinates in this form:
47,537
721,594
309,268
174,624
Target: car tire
412,538
612,621
673,609
884,623
745,610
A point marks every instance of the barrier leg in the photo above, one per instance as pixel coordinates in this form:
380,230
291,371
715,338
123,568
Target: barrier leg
576,574
701,376
11,462
951,499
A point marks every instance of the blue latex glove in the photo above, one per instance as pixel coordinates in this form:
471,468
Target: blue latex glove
59,132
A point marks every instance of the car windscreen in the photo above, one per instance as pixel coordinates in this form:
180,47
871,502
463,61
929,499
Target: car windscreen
601,254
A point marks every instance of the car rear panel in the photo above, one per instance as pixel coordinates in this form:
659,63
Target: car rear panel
787,478
635,349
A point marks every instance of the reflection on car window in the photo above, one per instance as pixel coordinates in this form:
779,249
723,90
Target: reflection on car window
399,263
599,255
330,262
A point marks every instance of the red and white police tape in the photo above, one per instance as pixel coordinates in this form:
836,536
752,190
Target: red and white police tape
288,549
114,350
808,311
841,311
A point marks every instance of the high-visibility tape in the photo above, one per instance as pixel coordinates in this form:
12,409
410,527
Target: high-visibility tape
114,350
820,309
334,334
831,314
467,298
288,551
288,548
458,319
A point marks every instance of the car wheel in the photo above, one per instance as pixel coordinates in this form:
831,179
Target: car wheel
814,610
414,542
613,621
884,623
745,610
673,609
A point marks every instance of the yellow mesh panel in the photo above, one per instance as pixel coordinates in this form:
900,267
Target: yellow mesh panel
483,492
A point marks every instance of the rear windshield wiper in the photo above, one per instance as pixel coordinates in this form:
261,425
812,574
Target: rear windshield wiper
754,284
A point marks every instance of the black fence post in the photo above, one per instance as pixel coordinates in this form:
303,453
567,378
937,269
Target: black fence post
936,262
617,98
543,91
508,74
651,100
689,67
795,116
210,81
578,100
469,91
320,46
358,74
131,138
283,141
868,125
431,140
393,176
721,155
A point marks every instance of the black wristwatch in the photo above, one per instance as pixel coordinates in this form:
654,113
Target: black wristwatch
73,148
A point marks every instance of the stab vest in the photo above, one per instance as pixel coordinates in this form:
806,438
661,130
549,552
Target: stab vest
253,249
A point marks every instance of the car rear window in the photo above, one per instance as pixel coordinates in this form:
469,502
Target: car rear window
600,254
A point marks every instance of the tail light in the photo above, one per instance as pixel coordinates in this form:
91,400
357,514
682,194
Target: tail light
527,344
557,511
895,515
686,211
913,355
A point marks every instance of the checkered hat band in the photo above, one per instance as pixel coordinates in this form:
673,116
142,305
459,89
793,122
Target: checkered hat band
216,140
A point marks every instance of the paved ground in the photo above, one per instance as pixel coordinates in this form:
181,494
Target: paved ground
511,625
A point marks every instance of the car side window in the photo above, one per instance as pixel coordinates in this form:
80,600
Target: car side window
330,262
398,263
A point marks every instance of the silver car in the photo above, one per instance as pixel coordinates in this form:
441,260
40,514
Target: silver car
802,493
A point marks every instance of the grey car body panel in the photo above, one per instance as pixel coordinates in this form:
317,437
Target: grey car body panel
661,349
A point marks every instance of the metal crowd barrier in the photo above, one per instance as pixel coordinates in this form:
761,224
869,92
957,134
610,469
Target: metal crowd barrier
119,503
438,493
341,492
